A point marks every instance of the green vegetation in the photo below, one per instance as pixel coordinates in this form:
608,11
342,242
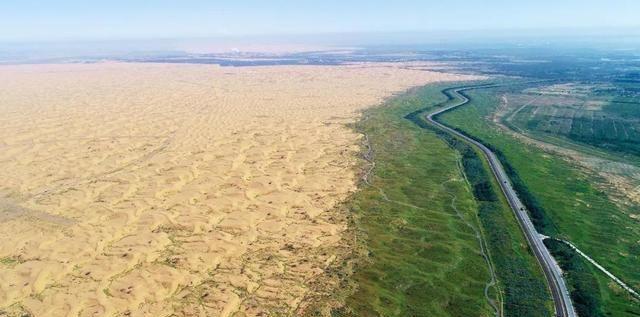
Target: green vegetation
9,261
593,116
419,221
565,203
525,289
580,275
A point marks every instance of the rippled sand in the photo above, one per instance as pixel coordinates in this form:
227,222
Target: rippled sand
151,189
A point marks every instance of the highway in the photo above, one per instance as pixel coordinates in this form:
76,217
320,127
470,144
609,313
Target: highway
552,272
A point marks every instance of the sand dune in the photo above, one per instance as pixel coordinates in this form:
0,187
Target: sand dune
152,189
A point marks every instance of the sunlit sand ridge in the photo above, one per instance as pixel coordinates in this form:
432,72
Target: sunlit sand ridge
140,189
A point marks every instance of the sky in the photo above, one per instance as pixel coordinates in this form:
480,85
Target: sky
53,20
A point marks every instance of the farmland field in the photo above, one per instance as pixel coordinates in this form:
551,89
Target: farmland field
591,115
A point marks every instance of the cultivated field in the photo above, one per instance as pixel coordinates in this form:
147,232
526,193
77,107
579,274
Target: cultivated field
588,114
141,189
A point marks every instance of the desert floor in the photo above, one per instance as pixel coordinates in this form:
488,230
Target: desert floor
152,189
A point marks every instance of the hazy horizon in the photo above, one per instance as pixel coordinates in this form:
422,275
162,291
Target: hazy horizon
72,28
74,20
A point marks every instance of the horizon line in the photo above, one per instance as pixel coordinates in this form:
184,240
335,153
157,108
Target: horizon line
497,32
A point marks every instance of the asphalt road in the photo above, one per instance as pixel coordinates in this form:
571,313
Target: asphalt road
552,273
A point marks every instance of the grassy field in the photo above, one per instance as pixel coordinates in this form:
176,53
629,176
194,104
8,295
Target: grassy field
430,196
565,203
593,116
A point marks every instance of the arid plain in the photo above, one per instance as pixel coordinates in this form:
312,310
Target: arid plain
158,189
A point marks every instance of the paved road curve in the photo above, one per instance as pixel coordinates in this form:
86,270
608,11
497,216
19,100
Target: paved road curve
551,270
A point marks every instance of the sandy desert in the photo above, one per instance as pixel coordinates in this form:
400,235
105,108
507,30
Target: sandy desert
173,189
